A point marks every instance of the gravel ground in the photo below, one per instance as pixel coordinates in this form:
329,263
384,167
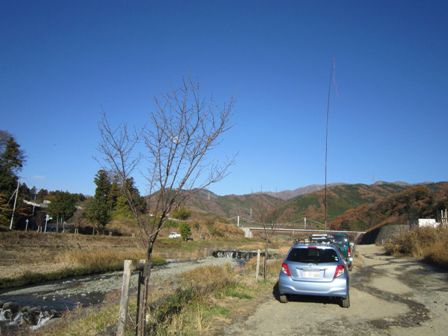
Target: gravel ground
389,296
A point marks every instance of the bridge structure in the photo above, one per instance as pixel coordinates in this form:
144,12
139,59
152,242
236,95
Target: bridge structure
248,231
250,226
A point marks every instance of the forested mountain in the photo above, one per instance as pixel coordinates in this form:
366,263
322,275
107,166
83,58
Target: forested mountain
350,206
249,206
340,198
288,194
419,201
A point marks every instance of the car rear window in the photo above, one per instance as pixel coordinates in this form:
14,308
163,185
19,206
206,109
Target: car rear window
341,239
313,255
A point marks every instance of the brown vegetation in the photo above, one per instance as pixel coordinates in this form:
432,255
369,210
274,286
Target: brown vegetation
431,244
420,201
201,302
29,257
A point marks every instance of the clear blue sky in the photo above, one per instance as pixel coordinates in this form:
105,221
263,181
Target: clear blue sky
63,62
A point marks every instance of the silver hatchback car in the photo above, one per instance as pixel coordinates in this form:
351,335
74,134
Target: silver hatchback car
314,269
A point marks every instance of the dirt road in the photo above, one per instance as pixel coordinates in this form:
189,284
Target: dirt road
389,296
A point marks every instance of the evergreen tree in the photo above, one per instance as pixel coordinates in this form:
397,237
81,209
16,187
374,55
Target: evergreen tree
11,162
122,208
62,205
12,159
114,194
42,194
121,203
99,208
138,201
185,231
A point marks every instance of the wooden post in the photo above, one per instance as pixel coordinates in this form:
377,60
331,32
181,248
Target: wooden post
258,265
143,287
123,313
265,263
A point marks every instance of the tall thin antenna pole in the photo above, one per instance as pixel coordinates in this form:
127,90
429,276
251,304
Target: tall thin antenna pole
326,139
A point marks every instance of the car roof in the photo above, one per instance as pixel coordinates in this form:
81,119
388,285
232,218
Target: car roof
316,244
340,234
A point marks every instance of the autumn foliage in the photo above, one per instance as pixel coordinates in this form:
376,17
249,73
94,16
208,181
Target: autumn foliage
420,201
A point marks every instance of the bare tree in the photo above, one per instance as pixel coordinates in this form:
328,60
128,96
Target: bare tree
182,130
268,231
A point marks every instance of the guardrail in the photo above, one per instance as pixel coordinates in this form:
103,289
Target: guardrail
255,228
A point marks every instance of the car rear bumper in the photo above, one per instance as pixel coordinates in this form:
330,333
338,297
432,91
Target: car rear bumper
337,287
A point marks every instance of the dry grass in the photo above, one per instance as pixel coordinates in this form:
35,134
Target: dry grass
126,226
427,243
205,301
220,295
211,278
29,257
100,259
223,230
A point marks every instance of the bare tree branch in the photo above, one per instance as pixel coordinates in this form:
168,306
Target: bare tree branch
182,130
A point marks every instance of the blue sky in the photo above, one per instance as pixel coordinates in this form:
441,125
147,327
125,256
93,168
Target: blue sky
64,62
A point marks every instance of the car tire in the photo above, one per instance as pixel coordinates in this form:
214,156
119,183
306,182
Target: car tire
283,298
345,302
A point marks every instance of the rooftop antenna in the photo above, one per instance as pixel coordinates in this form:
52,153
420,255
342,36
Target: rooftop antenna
331,82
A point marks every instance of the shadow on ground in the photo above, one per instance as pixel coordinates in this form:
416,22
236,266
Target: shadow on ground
304,298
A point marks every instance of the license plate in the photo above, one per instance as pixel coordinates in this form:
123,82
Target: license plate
311,274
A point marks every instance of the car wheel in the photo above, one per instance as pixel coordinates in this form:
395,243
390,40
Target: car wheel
283,298
345,302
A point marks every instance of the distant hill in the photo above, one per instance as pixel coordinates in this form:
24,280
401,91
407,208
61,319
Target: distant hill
340,198
251,205
413,202
288,194
350,206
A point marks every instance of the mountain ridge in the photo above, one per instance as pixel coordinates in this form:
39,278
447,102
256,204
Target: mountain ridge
344,202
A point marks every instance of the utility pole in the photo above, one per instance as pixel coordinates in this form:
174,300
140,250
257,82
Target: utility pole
34,203
15,202
332,79
47,217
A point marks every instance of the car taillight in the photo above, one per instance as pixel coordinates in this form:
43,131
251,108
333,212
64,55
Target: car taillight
285,269
339,271
349,251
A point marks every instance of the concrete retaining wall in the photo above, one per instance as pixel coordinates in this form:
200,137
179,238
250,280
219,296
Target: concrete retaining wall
383,234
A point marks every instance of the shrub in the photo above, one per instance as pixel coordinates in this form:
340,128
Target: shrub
171,224
428,243
222,230
181,213
185,231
